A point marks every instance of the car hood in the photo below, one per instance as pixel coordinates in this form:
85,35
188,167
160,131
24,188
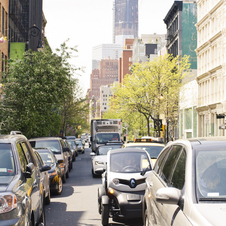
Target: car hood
214,214
4,182
101,158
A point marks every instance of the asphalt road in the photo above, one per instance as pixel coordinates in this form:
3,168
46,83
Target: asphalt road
77,205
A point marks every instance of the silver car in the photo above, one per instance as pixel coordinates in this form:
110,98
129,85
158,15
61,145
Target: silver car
123,184
99,159
188,184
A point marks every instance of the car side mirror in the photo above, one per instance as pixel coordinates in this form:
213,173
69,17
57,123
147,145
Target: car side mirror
66,149
29,170
168,195
45,168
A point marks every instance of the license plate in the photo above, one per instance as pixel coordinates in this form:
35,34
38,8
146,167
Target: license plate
133,197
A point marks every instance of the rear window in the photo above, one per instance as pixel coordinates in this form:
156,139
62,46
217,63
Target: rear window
54,145
7,165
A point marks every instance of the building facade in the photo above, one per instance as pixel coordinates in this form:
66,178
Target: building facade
105,51
182,40
211,26
125,19
106,75
125,61
105,95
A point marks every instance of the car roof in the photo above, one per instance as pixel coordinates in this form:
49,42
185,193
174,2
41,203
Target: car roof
45,138
123,150
8,138
144,144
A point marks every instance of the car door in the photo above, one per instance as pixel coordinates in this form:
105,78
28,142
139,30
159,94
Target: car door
37,190
161,178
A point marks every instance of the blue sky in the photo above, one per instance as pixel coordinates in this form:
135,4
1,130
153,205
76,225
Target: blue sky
87,23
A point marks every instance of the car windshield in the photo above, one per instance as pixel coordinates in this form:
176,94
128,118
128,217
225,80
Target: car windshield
47,158
105,137
153,151
127,162
7,165
78,142
103,150
71,142
54,145
210,174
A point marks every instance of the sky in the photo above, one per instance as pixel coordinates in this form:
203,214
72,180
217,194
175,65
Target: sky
88,23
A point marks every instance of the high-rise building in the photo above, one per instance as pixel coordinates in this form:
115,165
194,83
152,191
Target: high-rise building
125,20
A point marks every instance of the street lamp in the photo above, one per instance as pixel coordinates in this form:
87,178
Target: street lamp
35,31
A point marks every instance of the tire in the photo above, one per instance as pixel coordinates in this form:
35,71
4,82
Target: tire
67,174
104,214
47,199
71,165
64,178
94,175
60,187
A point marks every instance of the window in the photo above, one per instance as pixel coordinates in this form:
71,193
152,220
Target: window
179,172
160,161
22,158
3,21
169,164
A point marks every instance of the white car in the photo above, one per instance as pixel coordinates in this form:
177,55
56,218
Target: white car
123,185
99,159
187,185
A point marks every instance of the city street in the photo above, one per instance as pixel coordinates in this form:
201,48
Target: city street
77,205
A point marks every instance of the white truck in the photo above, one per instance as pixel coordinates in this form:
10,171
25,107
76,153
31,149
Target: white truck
105,130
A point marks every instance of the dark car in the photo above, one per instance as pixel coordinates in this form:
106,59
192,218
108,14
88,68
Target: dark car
21,194
44,176
58,147
74,148
55,180
70,155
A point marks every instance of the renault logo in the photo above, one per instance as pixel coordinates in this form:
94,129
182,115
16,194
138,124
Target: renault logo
132,183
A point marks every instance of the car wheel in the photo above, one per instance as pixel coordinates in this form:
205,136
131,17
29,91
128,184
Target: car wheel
47,199
83,152
71,165
104,214
60,187
93,174
67,174
64,178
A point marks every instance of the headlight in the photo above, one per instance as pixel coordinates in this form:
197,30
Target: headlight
99,163
111,190
115,181
7,203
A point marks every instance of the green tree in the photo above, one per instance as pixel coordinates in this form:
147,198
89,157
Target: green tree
35,89
141,91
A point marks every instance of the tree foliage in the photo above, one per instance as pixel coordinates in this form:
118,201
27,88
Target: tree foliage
141,91
35,91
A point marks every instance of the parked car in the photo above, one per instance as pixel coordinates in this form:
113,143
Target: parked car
152,145
55,180
80,146
188,185
99,159
22,194
44,176
73,146
70,155
123,184
58,147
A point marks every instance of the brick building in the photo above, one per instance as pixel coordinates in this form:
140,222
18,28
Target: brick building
125,61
